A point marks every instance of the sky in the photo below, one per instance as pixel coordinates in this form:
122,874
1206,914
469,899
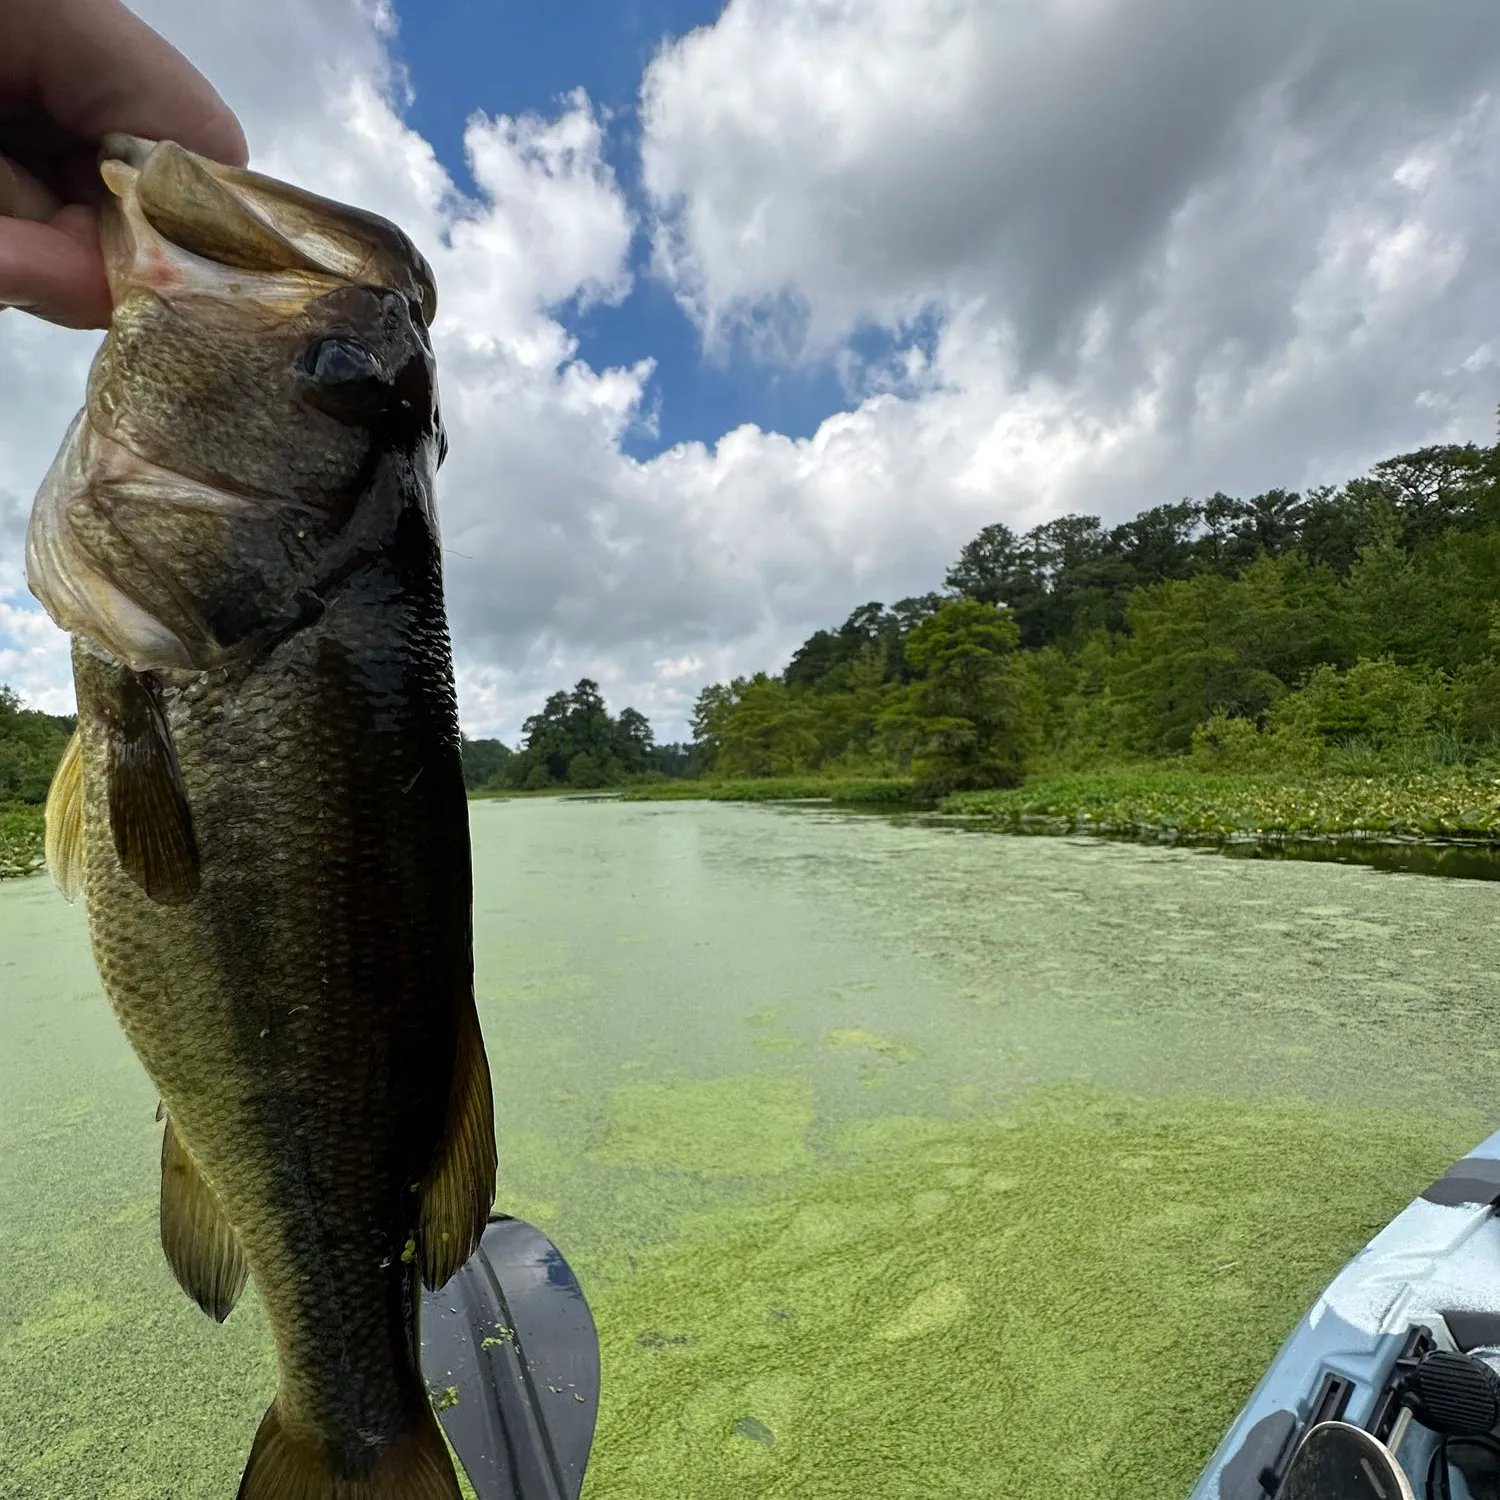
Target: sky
752,313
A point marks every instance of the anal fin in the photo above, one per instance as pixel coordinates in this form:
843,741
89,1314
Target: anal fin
200,1245
460,1186
63,842
284,1465
149,814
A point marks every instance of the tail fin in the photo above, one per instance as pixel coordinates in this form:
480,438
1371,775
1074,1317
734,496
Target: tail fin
286,1466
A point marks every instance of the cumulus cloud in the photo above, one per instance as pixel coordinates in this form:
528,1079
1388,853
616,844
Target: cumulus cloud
534,432
42,371
1122,252
836,163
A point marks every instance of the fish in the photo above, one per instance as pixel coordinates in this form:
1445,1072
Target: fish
263,805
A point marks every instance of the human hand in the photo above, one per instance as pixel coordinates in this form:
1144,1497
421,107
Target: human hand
70,72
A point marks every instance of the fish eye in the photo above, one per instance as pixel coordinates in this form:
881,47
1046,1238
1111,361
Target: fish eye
347,379
342,362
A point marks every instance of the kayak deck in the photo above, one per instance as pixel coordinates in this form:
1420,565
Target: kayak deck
1430,1280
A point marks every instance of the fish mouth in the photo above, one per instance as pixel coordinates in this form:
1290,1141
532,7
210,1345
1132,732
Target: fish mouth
258,251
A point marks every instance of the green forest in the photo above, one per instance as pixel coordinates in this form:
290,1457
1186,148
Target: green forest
1353,628
575,742
1224,649
31,744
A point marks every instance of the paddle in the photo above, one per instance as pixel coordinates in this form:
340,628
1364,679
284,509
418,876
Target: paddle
511,1358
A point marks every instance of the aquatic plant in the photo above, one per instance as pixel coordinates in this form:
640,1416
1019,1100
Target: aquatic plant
1457,802
20,841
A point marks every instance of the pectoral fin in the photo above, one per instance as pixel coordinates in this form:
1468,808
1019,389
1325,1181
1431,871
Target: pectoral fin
200,1245
63,842
458,1191
149,814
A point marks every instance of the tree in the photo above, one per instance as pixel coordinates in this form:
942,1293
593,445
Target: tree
711,713
994,569
574,736
1269,523
1132,639
1441,487
31,744
672,762
1231,645
590,730
584,770
1379,701
633,742
1060,575
1333,527
484,762
973,712
547,740
1158,544
772,731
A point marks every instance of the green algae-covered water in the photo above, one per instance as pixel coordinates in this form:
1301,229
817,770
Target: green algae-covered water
895,1160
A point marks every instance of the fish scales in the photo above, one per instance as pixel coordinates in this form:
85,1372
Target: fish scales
273,846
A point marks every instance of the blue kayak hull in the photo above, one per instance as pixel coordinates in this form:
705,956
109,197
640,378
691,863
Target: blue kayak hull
1429,1279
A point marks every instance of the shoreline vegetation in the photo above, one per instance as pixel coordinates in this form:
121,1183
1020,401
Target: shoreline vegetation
1319,665
20,841
1167,802
1147,801
1151,801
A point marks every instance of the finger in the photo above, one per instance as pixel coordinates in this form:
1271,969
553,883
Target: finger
55,270
66,165
94,67
22,196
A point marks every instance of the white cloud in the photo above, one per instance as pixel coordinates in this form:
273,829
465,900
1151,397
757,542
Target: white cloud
1160,248
819,164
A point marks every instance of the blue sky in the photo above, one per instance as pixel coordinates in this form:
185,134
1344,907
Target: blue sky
508,57
1157,250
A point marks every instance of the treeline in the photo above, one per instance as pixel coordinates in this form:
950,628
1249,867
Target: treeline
1357,619
31,744
575,741
1354,626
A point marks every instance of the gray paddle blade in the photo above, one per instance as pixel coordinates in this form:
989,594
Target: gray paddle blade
511,1358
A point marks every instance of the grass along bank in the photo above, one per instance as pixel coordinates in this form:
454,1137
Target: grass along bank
1449,802
852,791
1172,799
1460,802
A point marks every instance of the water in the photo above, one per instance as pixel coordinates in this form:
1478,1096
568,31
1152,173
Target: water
884,1076
1455,861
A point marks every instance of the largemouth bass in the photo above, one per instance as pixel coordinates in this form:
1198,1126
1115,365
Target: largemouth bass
264,804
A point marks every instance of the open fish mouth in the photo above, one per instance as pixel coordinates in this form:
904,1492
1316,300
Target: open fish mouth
187,228
247,312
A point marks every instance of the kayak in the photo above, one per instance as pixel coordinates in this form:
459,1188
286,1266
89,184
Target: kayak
1404,1344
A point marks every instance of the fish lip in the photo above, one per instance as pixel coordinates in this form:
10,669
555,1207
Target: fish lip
130,149
185,226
